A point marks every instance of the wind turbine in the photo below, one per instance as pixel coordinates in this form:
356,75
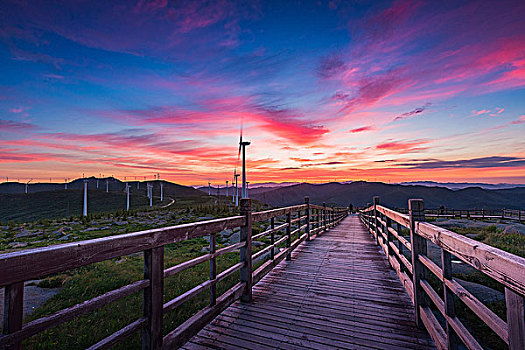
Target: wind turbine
27,183
161,185
226,188
85,197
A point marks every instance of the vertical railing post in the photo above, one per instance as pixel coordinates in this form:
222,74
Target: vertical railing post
288,234
324,216
246,249
376,226
307,202
448,298
515,319
272,238
14,310
389,251
401,246
153,298
213,269
419,247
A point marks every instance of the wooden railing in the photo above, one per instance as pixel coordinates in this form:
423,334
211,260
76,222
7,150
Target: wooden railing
506,214
408,256
299,223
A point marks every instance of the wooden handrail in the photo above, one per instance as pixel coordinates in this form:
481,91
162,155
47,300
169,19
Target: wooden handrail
505,268
29,264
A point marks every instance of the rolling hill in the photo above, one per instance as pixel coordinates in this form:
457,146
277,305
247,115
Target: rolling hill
51,201
360,193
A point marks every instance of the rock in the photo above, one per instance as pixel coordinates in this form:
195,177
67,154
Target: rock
483,293
64,238
234,238
62,229
226,233
27,233
17,244
514,229
91,229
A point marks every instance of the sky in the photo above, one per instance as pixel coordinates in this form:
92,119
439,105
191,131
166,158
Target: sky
386,91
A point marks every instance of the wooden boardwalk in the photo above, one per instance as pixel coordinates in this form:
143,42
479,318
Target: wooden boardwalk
337,292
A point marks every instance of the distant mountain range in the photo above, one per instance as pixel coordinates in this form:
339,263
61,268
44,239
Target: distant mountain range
462,185
360,193
256,189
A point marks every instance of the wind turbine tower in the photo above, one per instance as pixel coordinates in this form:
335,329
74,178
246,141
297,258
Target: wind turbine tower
226,188
236,190
209,188
84,213
127,196
247,183
243,144
150,194
107,185
97,183
27,185
161,186
233,188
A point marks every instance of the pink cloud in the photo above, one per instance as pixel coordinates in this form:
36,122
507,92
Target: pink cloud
12,126
402,146
363,129
520,120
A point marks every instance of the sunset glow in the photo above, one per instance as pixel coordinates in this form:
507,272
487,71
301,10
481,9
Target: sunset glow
324,90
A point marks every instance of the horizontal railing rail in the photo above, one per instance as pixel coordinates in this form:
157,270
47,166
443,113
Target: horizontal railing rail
404,237
292,226
506,214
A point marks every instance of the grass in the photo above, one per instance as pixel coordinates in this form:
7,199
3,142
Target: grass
513,243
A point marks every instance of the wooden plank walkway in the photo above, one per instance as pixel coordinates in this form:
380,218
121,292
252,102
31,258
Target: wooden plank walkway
337,292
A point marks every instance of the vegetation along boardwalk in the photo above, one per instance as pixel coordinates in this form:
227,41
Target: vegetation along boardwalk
337,291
